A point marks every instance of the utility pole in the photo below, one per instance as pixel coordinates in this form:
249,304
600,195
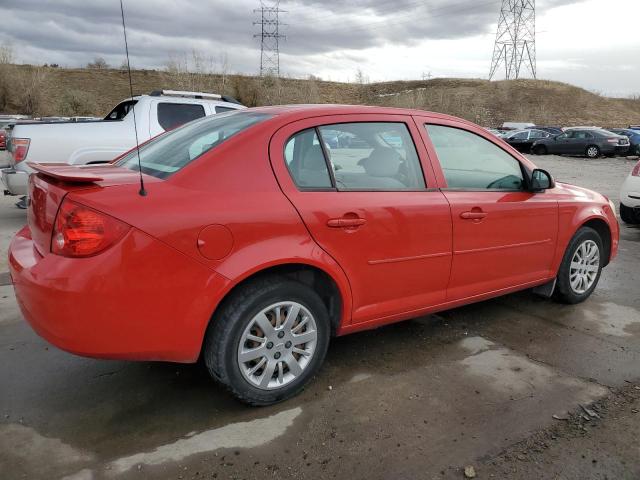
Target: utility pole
515,43
269,22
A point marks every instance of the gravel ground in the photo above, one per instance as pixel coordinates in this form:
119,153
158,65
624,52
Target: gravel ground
499,386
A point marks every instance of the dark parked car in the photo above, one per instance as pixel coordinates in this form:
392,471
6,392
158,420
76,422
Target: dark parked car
551,130
590,142
633,136
522,140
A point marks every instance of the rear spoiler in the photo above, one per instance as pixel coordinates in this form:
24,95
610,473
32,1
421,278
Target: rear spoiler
65,172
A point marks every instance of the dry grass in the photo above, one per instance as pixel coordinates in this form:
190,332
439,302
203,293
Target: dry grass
51,91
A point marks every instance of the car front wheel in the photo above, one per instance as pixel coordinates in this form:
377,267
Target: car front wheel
581,267
540,150
267,340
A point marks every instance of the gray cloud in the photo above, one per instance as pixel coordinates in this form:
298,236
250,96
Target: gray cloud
73,32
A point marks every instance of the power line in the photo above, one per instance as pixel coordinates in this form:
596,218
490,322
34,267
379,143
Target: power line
269,22
515,43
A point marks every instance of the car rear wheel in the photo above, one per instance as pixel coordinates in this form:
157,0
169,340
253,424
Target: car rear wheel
267,340
540,150
629,215
592,151
581,267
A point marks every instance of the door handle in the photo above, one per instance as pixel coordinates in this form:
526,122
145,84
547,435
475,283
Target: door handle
473,215
345,222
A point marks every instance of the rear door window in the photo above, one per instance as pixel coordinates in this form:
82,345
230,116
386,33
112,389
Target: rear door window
306,162
372,156
172,115
362,156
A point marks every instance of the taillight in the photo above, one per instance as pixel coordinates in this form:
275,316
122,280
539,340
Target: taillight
81,231
20,148
636,170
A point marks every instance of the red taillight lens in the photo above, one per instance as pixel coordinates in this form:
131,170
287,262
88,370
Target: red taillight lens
20,148
81,231
636,170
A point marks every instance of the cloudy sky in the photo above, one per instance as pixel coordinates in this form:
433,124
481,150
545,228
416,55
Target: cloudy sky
591,43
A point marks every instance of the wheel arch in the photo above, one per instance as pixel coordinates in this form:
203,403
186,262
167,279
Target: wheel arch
335,294
604,231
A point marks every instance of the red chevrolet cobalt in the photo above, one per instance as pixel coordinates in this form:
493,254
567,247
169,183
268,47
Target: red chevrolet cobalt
265,232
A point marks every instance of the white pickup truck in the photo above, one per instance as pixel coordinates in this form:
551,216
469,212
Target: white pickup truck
80,143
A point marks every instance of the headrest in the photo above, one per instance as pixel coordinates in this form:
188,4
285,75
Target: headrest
382,162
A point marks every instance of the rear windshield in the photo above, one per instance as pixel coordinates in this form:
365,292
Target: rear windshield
173,150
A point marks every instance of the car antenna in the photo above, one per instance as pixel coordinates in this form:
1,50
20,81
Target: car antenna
142,191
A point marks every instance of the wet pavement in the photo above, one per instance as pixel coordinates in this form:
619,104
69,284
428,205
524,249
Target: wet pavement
419,399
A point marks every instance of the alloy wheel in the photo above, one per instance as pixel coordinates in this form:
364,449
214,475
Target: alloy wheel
277,345
592,152
584,266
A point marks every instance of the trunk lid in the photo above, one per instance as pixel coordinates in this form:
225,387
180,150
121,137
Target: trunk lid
52,182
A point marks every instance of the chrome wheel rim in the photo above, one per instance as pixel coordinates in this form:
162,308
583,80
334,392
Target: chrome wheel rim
277,345
584,266
592,152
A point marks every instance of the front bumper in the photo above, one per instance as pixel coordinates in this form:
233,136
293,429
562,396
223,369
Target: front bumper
15,182
139,300
630,192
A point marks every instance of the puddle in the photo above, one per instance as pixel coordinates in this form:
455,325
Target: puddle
511,373
236,435
476,344
613,319
85,474
359,377
23,442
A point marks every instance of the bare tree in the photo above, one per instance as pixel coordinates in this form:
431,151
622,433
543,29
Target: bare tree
6,54
98,63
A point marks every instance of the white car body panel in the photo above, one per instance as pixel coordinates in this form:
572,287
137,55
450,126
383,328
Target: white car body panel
630,192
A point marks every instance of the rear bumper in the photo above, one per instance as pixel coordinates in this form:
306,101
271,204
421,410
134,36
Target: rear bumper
15,182
622,150
139,300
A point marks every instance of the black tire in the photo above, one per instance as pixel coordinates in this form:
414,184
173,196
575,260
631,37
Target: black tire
540,150
232,318
592,151
629,215
564,291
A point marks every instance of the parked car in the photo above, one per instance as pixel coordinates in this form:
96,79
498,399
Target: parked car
551,130
517,125
498,132
630,197
522,140
246,252
632,135
634,127
590,142
83,142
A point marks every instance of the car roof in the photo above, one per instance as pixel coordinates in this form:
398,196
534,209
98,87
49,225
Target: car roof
302,111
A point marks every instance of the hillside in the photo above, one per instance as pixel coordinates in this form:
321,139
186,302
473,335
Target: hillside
57,91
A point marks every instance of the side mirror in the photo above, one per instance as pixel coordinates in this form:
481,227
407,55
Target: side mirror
541,180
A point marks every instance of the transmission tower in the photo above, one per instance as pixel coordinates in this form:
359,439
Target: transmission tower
269,22
515,39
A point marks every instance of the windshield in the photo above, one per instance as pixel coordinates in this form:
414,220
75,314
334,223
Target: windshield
170,152
121,110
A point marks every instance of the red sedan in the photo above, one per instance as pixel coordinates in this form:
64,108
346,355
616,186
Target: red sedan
265,232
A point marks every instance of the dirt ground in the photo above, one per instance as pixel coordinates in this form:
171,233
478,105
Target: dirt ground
517,387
